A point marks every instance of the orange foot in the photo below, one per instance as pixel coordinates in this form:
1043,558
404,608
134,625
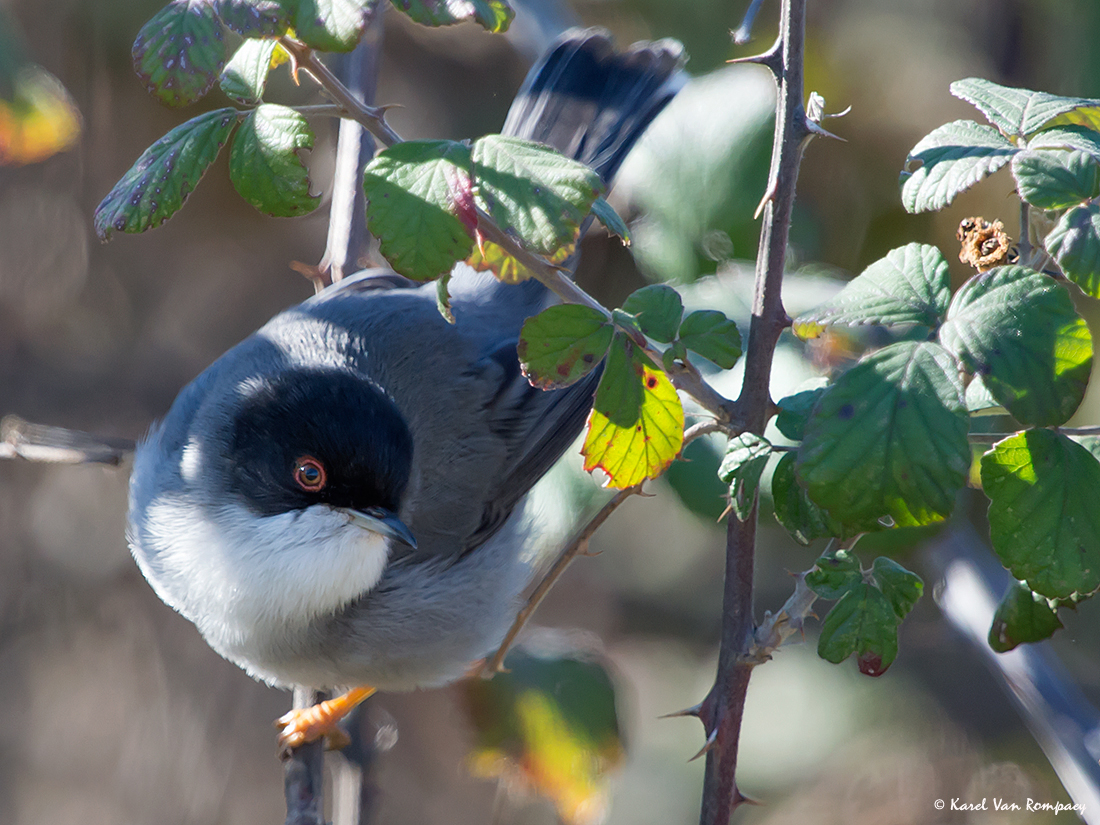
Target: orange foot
304,725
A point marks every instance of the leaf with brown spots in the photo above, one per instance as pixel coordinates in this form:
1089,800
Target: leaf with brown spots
562,344
636,427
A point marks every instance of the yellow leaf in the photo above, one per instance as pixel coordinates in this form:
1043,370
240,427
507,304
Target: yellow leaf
631,438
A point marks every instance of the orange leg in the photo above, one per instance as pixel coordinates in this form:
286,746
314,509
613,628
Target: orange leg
304,725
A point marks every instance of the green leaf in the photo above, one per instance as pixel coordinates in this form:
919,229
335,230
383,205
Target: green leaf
1056,178
533,190
1067,137
179,53
333,25
256,18
658,309
636,426
835,574
803,519
562,344
1043,518
902,587
863,622
712,335
412,190
746,456
1018,329
888,440
493,15
1074,243
245,75
264,165
954,157
1016,112
794,412
911,285
165,174
1022,616
611,219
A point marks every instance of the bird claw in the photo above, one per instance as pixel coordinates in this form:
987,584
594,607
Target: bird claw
304,725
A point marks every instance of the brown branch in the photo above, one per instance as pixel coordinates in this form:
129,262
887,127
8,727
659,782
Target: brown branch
722,710
576,547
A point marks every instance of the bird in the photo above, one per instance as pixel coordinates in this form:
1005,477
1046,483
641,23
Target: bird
338,500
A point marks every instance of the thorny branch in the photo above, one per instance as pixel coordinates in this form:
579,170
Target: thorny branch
722,710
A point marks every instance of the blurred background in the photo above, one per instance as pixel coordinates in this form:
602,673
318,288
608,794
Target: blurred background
112,709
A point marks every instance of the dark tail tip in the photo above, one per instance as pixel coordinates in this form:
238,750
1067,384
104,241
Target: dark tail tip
593,103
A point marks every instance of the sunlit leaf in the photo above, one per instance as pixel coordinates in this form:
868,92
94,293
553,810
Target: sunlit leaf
1019,330
264,164
533,191
911,285
166,173
1074,243
245,74
1056,178
488,257
180,52
954,157
1022,616
658,309
333,25
746,456
714,336
1067,137
888,440
562,344
493,15
636,426
1020,112
1043,518
412,189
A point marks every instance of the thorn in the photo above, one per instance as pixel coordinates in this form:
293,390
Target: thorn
740,799
769,195
708,745
726,512
813,129
694,710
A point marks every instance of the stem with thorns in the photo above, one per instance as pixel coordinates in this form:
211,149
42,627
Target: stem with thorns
722,710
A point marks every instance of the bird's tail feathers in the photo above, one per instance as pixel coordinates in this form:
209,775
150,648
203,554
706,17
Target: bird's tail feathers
591,103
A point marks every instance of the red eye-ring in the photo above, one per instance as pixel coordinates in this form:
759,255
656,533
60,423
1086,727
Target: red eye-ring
310,474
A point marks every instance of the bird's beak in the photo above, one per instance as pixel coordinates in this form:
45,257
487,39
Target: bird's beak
383,522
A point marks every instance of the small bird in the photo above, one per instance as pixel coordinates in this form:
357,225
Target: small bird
337,500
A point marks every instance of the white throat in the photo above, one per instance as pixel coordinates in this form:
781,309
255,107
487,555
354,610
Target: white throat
245,580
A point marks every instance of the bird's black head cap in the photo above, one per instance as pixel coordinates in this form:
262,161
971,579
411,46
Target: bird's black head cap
317,436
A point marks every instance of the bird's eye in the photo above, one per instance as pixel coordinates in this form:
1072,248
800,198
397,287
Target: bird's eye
310,474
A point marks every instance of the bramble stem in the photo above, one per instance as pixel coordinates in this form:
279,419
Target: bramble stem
724,707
